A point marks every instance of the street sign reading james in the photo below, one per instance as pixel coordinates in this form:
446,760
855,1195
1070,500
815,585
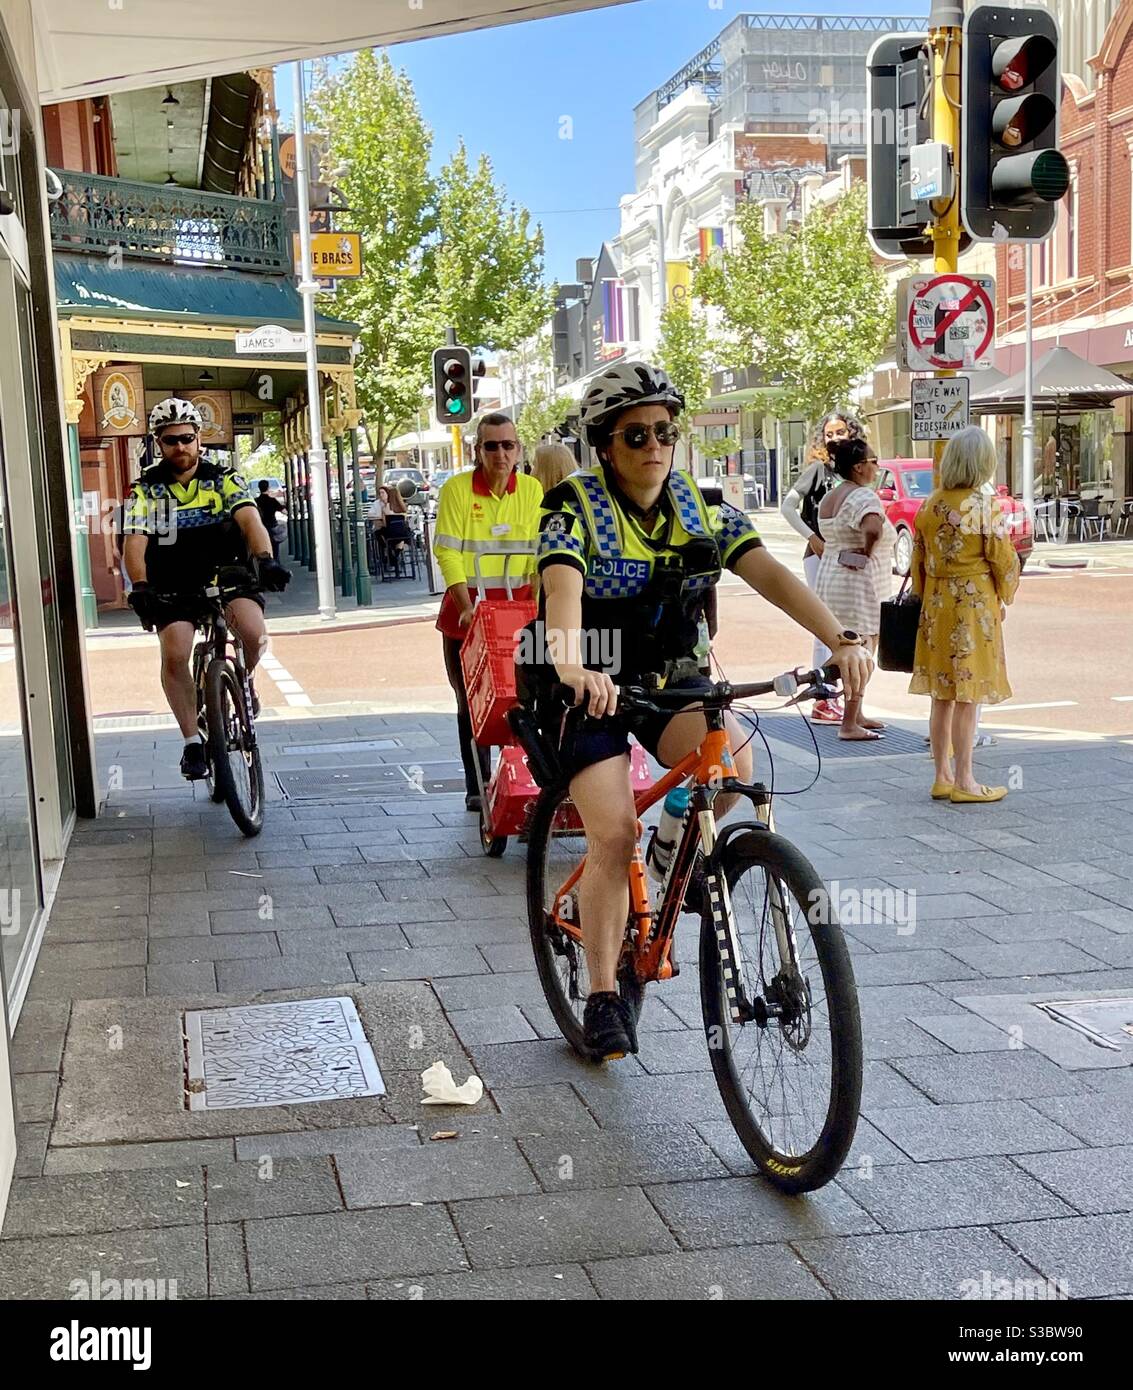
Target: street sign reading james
270,338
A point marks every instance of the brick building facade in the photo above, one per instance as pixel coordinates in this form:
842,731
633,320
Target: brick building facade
1083,277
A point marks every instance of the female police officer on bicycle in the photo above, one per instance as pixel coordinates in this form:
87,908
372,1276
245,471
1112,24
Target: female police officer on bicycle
626,556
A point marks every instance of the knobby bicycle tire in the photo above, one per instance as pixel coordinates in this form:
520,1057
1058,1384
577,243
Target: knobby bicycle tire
224,705
553,948
780,863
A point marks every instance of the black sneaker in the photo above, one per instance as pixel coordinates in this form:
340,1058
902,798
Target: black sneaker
695,898
472,802
255,699
608,1031
194,764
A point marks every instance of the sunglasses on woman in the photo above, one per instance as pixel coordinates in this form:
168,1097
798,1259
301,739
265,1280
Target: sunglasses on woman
637,436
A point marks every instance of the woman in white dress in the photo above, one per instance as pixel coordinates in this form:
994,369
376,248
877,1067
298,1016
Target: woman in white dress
855,571
800,510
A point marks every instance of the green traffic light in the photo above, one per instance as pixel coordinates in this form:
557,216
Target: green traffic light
454,407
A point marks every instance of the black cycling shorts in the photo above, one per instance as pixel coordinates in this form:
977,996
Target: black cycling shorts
586,741
190,608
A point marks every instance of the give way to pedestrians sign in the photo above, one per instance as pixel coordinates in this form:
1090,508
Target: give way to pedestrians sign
940,406
945,322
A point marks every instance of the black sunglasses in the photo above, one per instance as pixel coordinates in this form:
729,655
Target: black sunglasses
176,438
492,446
637,436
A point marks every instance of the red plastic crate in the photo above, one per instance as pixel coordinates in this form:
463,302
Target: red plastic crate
487,660
494,625
511,793
491,693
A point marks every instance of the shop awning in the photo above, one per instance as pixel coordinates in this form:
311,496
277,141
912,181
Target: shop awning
91,285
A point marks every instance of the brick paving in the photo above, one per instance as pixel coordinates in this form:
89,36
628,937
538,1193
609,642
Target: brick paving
981,1148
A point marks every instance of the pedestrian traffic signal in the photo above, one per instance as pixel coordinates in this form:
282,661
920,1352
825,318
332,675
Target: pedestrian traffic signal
479,367
897,82
452,385
1013,173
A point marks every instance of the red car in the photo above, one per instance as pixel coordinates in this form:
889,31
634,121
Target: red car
904,484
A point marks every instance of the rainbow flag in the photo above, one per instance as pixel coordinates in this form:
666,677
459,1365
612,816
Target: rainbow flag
613,310
711,239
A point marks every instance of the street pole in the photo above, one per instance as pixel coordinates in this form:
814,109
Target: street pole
1029,393
661,285
317,471
945,31
457,437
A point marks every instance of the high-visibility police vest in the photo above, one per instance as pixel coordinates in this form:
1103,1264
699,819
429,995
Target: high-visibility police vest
651,589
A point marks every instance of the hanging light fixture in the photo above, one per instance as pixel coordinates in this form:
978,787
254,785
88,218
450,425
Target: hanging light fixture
206,375
169,99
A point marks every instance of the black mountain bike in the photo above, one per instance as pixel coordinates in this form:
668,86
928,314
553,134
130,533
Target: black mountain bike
224,705
224,708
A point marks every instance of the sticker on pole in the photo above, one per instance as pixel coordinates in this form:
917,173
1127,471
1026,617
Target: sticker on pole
945,322
940,406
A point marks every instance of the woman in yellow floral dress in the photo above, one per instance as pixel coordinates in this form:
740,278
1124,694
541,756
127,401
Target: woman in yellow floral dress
965,571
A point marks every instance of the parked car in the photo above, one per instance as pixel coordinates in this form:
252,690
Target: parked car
903,485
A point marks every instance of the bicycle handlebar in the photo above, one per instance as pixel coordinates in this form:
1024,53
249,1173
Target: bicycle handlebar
796,685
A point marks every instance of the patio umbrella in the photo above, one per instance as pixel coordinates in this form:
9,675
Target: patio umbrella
1062,380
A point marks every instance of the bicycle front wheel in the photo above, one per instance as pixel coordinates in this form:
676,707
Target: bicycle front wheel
556,845
233,752
790,1074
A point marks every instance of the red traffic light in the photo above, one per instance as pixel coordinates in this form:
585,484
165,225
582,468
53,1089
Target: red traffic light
1015,63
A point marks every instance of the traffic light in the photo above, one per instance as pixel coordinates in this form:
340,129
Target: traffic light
1013,173
452,385
897,81
479,367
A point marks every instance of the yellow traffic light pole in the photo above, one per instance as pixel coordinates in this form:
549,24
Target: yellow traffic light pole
457,449
945,40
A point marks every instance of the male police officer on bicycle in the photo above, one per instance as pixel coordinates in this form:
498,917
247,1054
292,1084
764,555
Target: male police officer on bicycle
187,516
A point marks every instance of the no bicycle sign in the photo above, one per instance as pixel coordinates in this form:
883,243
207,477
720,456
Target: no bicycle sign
945,322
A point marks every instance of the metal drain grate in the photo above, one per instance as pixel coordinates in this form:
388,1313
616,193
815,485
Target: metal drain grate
1107,1023
789,728
383,783
278,1054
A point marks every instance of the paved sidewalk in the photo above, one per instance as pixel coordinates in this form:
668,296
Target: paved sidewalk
994,1143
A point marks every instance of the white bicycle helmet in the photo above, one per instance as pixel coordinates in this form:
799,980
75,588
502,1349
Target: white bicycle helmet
625,384
174,411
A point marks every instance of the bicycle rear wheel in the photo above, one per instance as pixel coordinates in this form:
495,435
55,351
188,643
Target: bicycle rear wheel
791,1076
233,751
556,845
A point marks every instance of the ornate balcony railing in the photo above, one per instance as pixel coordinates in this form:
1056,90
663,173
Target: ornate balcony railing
162,222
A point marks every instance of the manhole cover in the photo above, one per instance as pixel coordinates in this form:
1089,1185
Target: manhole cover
790,728
1107,1023
371,783
368,745
278,1054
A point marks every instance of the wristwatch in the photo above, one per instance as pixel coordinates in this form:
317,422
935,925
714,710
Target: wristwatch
849,638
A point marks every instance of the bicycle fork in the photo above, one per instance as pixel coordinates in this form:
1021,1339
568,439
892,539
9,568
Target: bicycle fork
740,1007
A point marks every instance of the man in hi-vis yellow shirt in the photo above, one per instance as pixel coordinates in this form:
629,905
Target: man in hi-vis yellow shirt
489,512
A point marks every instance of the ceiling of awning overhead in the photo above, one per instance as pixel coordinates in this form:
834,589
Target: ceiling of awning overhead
86,48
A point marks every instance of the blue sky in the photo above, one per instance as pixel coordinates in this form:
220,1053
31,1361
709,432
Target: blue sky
506,91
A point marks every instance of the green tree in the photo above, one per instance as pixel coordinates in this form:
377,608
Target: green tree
488,263
377,135
810,306
687,352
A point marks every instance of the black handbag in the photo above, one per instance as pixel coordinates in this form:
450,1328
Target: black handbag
897,641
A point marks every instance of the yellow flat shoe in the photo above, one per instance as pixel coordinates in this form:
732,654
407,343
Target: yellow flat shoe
985,794
942,791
